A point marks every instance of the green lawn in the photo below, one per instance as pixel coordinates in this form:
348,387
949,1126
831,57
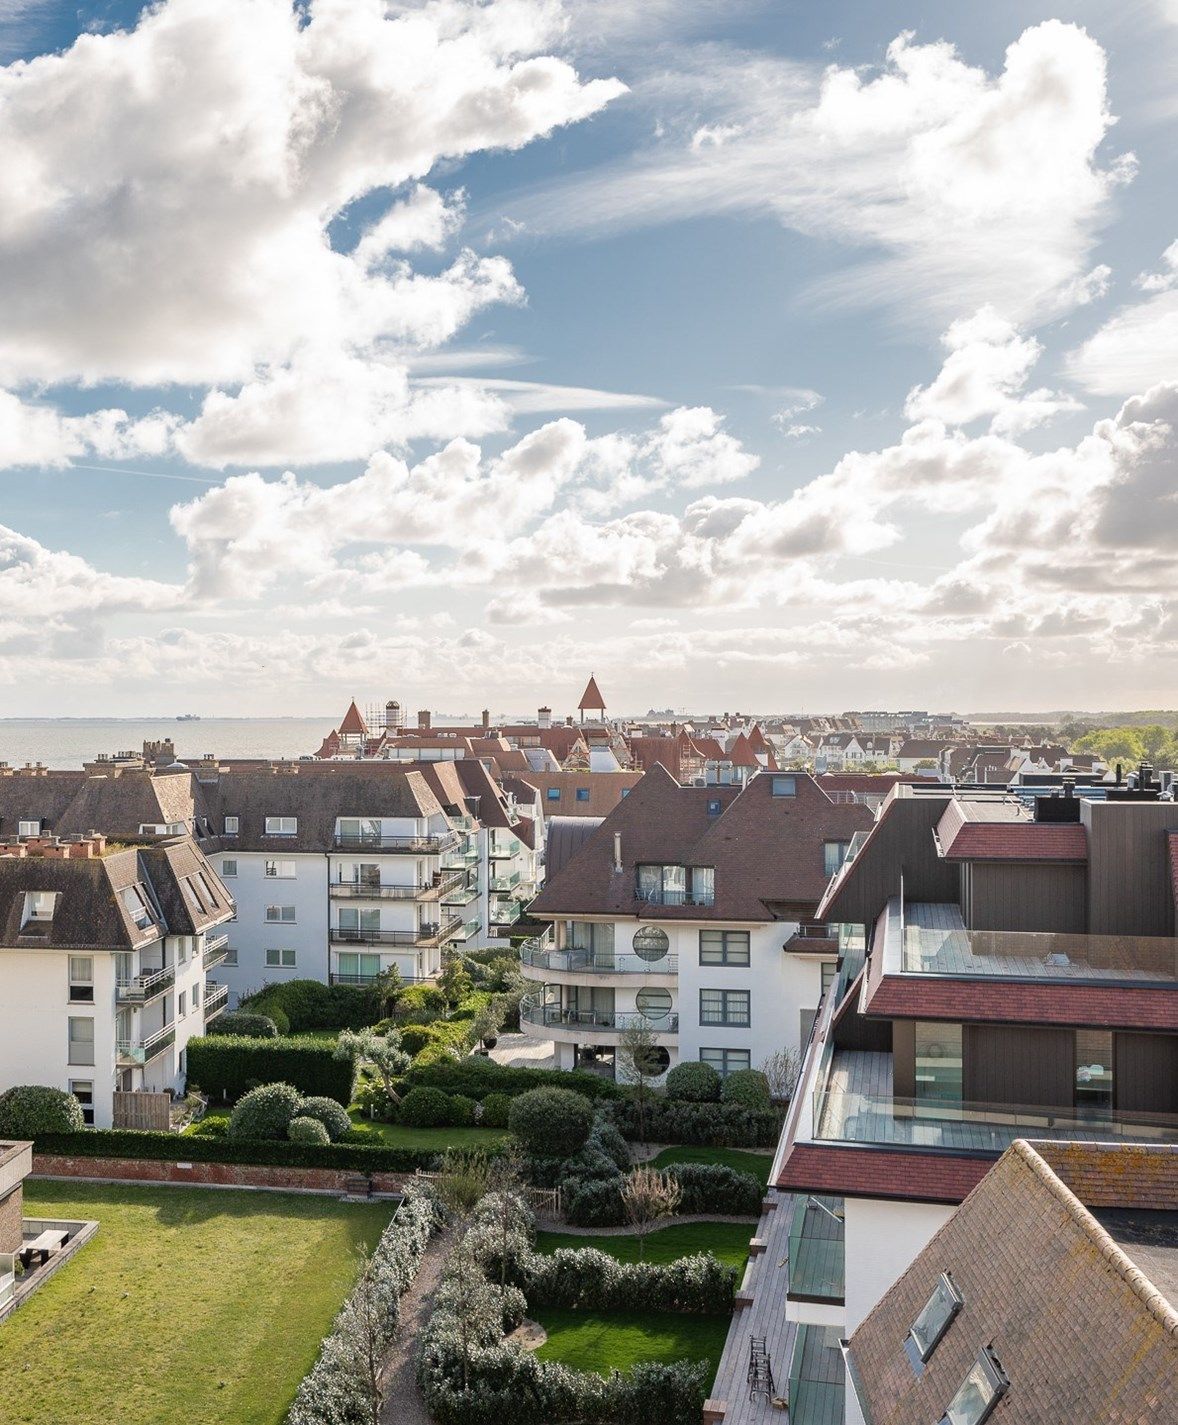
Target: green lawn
619,1340
397,1135
190,1307
728,1241
756,1163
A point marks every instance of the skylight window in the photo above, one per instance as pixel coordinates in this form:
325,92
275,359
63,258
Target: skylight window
932,1323
39,907
137,907
979,1392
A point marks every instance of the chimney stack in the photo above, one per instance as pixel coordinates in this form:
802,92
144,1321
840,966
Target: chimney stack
423,720
544,717
486,719
617,851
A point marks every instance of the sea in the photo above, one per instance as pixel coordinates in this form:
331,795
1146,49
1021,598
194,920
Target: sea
68,742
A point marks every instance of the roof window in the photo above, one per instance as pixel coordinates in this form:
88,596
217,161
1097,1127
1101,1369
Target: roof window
39,907
785,787
137,908
979,1392
932,1323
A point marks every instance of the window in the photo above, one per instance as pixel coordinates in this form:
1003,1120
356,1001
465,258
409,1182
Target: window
626,793
282,826
553,794
784,786
650,942
83,1091
582,794
281,870
356,969
228,870
181,1004
654,1004
28,828
39,906
723,947
280,958
230,955
1094,1068
724,1007
703,885
196,995
938,1061
81,1041
353,921
834,853
137,908
726,1061
231,824
81,979
932,1323
663,885
830,972
284,914
978,1393
715,806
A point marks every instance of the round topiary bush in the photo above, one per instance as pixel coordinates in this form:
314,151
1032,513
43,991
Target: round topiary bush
265,1112
747,1087
693,1082
496,1107
246,1024
270,1009
308,1130
29,1110
425,1108
332,1115
461,1110
551,1123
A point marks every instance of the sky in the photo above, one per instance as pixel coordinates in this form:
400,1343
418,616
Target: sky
762,355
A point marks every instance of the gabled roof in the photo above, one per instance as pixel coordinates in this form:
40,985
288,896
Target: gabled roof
591,697
353,724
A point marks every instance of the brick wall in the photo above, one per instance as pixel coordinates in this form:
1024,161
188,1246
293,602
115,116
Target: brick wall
247,1175
10,1216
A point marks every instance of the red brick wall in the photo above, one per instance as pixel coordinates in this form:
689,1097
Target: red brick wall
208,1174
10,1216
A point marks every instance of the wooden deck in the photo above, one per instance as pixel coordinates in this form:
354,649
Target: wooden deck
764,1287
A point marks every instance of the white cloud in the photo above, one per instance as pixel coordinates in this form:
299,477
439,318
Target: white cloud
539,397
423,219
1138,345
36,435
41,584
976,187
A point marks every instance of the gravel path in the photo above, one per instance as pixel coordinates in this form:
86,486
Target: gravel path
403,1404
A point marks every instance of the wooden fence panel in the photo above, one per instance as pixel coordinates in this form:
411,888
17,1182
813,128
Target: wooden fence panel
142,1109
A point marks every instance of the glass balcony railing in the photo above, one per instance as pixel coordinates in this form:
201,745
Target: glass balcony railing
425,934
505,912
215,951
595,961
216,998
145,987
555,1016
817,1265
411,845
505,883
142,1051
504,850
361,889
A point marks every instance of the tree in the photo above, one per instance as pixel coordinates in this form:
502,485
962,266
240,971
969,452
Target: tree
462,1180
647,1195
639,1060
506,1193
382,1053
454,982
781,1071
363,1333
488,1022
388,989
467,1291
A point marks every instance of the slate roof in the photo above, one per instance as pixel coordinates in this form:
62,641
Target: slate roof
1116,1006
1081,1332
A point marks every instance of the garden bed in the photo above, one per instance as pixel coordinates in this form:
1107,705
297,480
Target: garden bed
619,1340
758,1164
728,1242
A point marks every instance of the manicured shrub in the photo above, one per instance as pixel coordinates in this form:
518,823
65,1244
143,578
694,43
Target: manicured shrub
310,1004
32,1109
265,1112
747,1087
552,1123
419,1004
333,1116
471,1005
425,1108
712,1187
308,1130
215,1127
461,1110
245,1023
495,1110
477,1077
715,1125
693,1082
594,1202
225,1066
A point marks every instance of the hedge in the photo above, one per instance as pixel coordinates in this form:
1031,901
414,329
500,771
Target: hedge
310,1004
227,1066
29,1109
713,1125
242,1022
192,1148
477,1077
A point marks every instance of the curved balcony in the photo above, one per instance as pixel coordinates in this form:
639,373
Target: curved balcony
571,1026
577,964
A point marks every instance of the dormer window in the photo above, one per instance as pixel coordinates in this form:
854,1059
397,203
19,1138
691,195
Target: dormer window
136,906
28,828
231,824
932,1323
784,786
282,826
39,907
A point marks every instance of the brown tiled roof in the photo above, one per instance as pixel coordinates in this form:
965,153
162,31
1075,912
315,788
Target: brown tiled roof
879,1172
986,831
998,1001
605,791
353,724
1082,1334
1116,1174
591,697
767,851
741,754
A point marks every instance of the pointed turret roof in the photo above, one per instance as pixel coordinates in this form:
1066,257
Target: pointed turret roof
353,724
740,754
591,697
757,739
329,746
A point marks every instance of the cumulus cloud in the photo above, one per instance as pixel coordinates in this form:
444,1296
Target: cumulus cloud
37,435
1138,345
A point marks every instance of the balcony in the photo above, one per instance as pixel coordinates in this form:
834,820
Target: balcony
425,935
813,940
505,883
504,850
578,960
215,951
607,1022
405,845
505,912
817,1251
470,928
146,987
431,890
463,895
143,1051
661,895
216,998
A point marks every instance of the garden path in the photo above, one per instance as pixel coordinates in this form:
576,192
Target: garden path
521,1051
403,1404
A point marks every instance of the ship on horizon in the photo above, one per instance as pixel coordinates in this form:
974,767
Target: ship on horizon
188,717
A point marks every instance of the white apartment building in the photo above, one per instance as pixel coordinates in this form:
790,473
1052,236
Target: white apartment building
689,910
105,954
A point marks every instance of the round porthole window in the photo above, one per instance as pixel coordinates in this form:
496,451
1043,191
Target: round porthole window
655,1061
650,943
654,1004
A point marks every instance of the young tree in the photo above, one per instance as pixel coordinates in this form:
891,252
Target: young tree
462,1181
639,1060
506,1186
467,1290
487,1023
388,990
647,1195
382,1053
781,1070
454,982
364,1333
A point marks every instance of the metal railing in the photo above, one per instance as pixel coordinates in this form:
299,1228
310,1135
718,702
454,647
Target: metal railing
214,951
216,998
142,1051
657,895
576,958
555,1016
145,987
422,935
413,845
418,890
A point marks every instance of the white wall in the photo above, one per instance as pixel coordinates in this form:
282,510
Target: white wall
251,935
882,1241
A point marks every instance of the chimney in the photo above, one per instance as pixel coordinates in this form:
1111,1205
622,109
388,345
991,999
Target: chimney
423,720
486,719
544,717
617,851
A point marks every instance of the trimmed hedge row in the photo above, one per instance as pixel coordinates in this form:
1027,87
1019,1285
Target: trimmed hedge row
477,1077
708,1188
712,1125
295,1005
226,1066
169,1147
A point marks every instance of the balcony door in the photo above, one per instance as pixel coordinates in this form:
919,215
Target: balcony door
356,922
366,873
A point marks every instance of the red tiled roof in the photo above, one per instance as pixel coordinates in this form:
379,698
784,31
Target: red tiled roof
353,723
1013,1001
741,753
875,1172
591,697
1018,841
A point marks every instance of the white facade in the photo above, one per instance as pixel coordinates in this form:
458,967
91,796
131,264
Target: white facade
883,1239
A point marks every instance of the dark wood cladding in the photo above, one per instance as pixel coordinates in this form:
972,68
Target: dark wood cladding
1129,885
901,844
1018,895
1145,1072
1018,1065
